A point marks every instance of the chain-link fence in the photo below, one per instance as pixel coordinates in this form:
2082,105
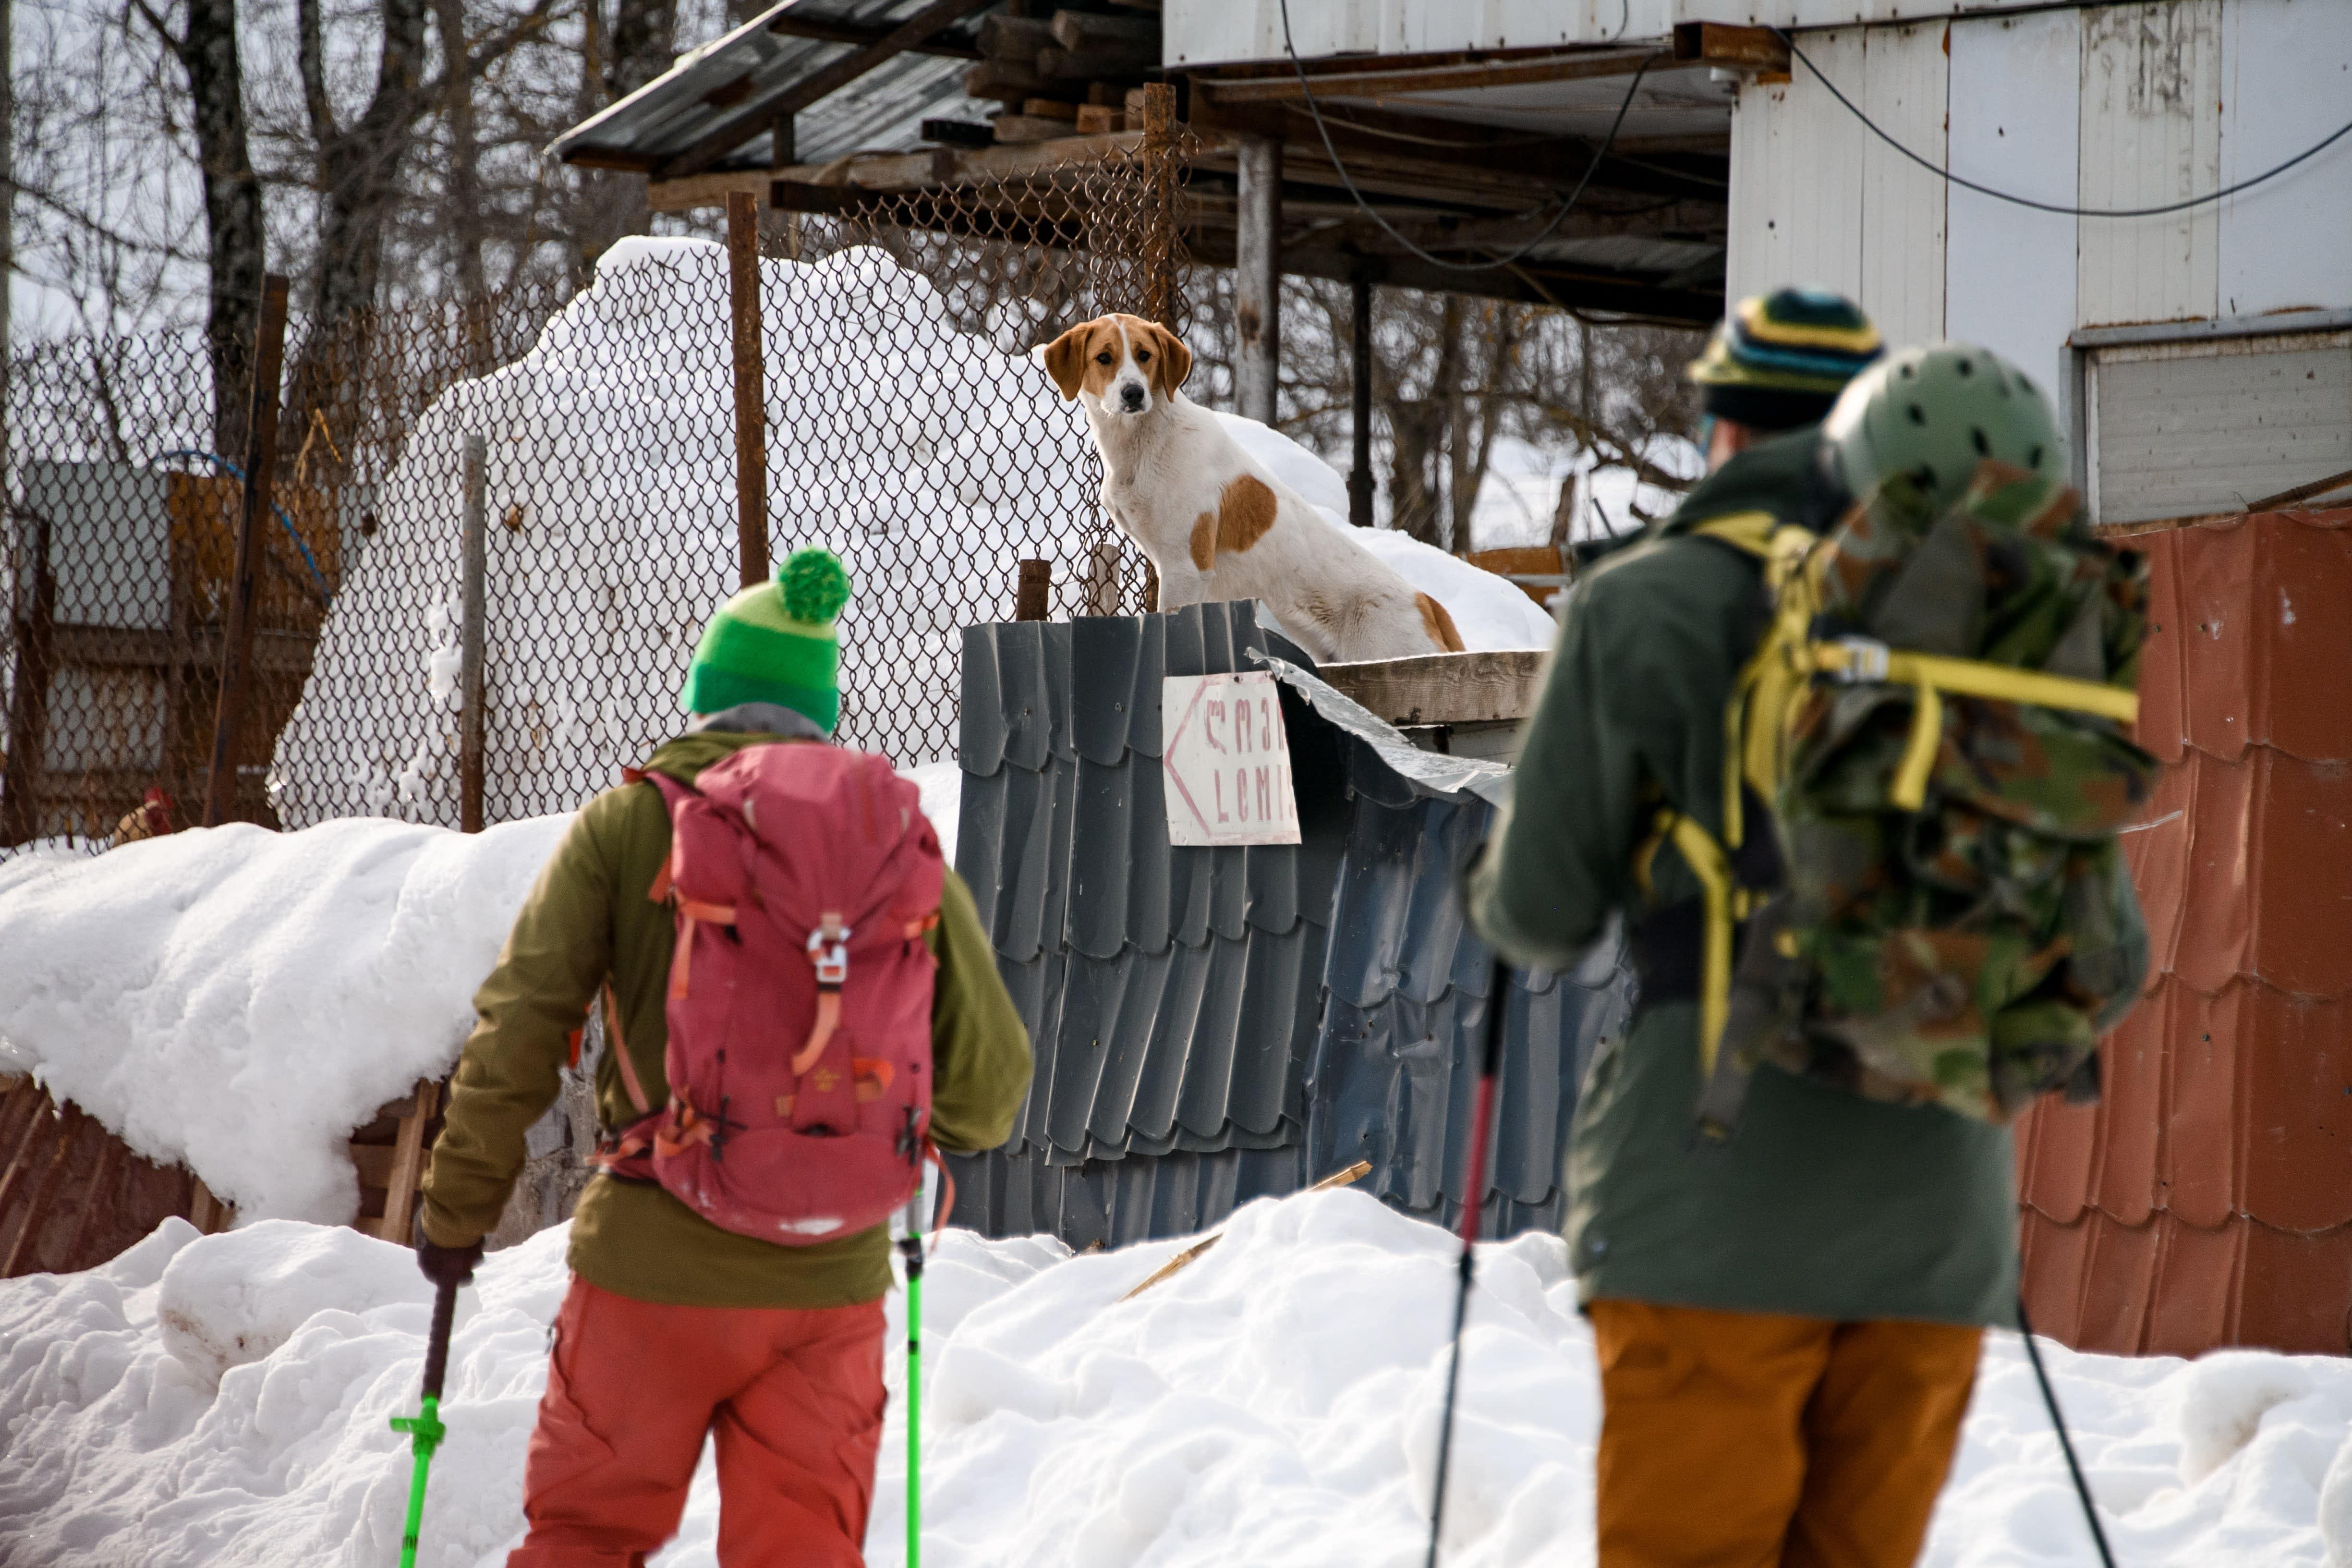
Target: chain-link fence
907,429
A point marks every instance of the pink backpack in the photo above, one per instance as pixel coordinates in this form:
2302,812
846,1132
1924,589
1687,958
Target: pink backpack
803,877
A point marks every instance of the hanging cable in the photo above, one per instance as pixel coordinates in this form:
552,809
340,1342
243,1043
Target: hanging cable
1315,111
2058,207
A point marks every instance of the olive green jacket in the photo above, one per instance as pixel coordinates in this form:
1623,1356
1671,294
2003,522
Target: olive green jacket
589,919
1826,1204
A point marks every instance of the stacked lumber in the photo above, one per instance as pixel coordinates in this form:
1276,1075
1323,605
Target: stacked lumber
72,1194
1073,74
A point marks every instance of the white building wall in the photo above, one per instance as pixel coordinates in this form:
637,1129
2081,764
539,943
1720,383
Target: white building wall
2121,106
2287,80
2009,271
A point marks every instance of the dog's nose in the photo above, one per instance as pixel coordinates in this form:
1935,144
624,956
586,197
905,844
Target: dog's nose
1131,398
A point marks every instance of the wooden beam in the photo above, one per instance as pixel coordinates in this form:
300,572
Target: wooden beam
914,171
1730,46
1391,81
733,131
407,1163
1444,687
1258,280
791,26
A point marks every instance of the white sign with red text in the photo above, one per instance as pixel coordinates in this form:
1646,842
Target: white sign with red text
1228,761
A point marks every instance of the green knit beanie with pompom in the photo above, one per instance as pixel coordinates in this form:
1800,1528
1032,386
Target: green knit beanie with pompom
776,643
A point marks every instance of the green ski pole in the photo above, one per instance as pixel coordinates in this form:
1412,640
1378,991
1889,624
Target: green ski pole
910,1246
424,1428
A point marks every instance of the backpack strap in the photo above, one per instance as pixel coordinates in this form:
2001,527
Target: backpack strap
1932,675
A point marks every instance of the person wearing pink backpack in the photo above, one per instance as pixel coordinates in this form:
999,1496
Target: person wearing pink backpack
801,1009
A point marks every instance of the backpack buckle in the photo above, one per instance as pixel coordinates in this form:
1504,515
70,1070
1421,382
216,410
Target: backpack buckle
1865,659
828,949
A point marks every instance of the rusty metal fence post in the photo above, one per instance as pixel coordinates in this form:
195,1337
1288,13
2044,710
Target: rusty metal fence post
1032,592
236,634
32,629
751,392
473,726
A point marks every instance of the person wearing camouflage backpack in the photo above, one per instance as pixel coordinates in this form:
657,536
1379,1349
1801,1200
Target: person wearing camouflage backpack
1854,790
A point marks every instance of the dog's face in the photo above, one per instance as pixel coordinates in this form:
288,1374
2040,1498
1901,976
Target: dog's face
1121,365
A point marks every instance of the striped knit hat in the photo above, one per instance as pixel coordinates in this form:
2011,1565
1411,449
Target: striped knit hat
1779,360
775,643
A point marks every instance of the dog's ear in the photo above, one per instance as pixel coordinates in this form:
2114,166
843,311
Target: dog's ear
1064,359
1175,359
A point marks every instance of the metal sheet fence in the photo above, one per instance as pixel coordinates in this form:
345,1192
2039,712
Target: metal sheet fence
907,429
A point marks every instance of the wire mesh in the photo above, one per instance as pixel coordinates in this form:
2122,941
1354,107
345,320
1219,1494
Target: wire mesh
907,429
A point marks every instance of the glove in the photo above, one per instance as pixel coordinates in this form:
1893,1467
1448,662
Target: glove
445,1264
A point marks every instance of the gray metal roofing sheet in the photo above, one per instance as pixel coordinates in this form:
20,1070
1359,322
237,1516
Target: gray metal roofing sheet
1214,1024
733,79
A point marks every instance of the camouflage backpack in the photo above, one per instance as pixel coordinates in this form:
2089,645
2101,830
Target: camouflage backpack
1938,713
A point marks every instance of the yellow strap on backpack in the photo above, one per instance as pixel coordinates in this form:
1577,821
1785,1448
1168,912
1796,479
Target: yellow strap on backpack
1764,701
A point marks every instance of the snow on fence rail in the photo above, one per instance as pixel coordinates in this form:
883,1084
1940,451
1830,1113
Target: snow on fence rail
905,431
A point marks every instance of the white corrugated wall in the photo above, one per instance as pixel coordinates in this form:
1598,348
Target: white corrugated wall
2115,106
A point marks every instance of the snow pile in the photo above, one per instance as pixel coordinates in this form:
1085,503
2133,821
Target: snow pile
1274,1404
1489,612
237,1000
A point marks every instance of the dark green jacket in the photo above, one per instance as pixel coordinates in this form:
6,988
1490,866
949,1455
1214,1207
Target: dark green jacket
1827,1205
588,918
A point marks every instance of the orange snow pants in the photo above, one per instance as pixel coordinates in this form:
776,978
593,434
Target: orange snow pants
795,1398
1748,1440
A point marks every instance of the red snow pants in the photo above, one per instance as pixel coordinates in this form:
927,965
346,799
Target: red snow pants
795,1397
1751,1440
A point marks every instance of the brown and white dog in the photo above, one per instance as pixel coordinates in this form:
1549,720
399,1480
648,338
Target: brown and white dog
1215,522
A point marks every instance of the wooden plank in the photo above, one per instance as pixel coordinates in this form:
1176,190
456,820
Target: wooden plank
785,24
736,129
14,1175
916,171
96,1201
1730,46
407,1165
1443,688
43,1193
1584,65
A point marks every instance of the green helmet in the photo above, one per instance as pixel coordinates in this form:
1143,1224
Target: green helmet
1932,414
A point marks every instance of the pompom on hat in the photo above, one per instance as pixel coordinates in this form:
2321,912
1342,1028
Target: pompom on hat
776,643
1779,360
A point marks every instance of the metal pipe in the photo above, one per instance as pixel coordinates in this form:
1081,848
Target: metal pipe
750,389
1258,279
260,472
473,725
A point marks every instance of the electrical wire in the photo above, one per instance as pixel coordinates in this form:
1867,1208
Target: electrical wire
1324,131
2058,207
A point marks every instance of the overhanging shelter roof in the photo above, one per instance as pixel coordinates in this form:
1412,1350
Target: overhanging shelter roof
718,105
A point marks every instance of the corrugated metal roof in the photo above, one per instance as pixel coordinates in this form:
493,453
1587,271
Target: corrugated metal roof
2208,1199
735,80
1214,1024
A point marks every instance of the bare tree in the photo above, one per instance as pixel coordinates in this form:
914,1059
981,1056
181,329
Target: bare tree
207,50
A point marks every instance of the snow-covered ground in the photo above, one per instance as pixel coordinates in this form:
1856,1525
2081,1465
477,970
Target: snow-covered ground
237,1000
223,1399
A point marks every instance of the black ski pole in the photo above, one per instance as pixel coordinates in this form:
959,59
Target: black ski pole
2066,1442
424,1428
1473,1184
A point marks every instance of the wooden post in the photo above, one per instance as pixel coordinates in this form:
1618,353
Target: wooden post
1258,279
1359,469
1159,216
33,629
407,1163
260,472
473,724
750,384
1032,592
